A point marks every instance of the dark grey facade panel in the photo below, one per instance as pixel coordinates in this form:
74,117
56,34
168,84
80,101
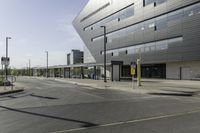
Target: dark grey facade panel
159,35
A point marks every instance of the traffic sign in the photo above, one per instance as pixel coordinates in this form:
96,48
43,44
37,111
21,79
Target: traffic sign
133,68
5,61
133,71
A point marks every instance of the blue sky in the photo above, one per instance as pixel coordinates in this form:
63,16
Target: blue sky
36,26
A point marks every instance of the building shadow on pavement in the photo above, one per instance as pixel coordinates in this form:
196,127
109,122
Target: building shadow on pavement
84,123
188,94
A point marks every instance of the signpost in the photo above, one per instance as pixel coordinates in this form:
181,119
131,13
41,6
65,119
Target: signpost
133,72
5,61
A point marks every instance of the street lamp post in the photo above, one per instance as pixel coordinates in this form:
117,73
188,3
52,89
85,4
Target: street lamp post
29,67
47,54
66,59
27,70
6,66
105,41
139,68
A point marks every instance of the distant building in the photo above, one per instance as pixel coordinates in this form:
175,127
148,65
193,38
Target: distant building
68,59
75,57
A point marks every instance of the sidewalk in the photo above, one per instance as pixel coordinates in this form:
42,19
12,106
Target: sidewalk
150,86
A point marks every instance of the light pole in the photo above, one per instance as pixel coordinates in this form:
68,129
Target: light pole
66,59
27,70
139,68
105,41
29,61
6,66
47,54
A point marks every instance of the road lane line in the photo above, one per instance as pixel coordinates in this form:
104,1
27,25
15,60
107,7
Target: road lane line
129,122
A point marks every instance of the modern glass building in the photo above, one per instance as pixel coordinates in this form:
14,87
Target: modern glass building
164,34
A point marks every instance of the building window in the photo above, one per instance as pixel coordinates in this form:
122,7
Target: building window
175,16
175,40
98,38
95,12
147,47
157,23
120,15
161,22
126,52
126,13
87,29
150,24
192,10
155,2
161,45
116,53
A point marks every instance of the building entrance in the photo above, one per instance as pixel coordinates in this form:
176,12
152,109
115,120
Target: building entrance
154,71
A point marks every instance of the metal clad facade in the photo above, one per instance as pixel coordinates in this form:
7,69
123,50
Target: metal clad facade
173,27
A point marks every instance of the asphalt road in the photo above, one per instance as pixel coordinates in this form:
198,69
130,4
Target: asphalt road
50,106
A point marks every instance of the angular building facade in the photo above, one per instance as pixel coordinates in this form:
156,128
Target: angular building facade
164,34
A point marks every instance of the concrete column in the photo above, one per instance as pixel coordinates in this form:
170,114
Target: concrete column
63,72
82,72
54,71
95,72
69,72
60,70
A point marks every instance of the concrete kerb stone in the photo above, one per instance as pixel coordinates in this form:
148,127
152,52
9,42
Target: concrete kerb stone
10,90
103,86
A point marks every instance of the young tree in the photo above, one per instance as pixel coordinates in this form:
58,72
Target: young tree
14,72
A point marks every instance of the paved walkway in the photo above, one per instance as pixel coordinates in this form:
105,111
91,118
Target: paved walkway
148,85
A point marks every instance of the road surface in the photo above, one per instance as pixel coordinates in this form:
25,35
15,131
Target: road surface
51,106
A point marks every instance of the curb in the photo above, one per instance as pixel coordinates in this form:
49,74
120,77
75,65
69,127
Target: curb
11,92
102,87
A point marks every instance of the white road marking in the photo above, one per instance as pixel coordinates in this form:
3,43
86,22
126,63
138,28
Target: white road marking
129,122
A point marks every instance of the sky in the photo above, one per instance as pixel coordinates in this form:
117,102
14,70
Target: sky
37,26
